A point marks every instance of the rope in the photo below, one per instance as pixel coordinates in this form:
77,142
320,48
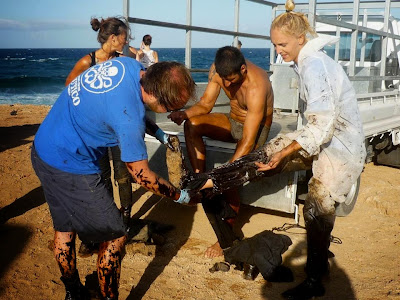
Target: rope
286,227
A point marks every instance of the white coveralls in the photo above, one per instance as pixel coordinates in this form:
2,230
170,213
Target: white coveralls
332,130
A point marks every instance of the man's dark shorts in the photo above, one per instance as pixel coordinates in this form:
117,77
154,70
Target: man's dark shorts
237,132
79,203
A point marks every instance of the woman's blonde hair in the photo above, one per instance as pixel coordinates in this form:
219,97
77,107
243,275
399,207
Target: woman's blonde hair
293,23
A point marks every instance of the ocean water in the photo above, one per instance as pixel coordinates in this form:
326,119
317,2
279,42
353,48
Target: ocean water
37,76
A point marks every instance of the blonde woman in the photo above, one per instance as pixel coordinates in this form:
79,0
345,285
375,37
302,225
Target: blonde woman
332,136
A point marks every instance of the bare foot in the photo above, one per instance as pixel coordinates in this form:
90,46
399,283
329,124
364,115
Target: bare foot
214,251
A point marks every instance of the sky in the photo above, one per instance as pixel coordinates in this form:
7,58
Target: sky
66,24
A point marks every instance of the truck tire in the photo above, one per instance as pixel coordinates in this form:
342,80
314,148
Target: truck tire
345,208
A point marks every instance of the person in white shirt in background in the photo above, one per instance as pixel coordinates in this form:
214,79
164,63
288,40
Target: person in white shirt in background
145,55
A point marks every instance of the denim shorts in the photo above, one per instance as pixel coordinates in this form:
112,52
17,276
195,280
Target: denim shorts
79,203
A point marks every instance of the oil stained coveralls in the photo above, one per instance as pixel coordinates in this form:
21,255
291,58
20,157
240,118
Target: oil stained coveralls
332,135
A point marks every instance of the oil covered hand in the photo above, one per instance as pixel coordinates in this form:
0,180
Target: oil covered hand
272,164
178,117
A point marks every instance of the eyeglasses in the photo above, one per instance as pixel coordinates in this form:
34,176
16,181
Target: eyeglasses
169,110
166,106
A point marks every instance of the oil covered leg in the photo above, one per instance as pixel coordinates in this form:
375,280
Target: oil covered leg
319,217
319,220
109,266
220,214
64,251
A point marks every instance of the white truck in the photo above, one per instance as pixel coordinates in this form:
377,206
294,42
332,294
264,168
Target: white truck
368,50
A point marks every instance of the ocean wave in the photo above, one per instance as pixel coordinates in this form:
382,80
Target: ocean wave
44,59
33,60
36,99
25,81
14,58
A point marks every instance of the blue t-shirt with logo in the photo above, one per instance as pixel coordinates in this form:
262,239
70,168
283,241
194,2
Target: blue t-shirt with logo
100,108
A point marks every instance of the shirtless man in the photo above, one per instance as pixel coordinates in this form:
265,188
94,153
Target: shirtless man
248,123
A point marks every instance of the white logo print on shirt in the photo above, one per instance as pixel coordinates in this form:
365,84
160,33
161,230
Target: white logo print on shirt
98,79
104,77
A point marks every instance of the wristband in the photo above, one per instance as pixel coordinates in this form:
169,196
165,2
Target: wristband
161,136
184,198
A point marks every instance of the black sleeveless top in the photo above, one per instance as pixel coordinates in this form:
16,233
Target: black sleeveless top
93,57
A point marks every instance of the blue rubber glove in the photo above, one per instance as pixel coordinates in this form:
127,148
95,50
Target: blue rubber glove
164,139
184,198
161,136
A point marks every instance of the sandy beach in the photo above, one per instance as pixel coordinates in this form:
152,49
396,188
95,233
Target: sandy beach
366,263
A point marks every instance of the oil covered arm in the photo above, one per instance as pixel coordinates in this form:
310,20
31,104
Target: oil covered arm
228,176
144,176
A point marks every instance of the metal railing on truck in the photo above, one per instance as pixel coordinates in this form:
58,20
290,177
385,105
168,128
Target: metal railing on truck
355,6
189,28
310,9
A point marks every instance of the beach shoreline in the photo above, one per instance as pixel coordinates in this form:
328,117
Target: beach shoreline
366,263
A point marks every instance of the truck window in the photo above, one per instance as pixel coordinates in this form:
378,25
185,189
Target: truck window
372,47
